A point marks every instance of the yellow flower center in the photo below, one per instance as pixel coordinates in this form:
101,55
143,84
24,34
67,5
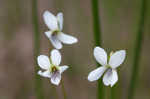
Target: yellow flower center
54,69
55,32
108,66
111,53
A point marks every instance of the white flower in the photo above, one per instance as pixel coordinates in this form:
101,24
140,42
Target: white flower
108,67
55,24
51,66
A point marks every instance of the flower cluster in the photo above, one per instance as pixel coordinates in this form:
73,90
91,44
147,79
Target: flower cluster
57,37
51,67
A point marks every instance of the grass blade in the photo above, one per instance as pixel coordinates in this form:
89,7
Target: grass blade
137,52
38,82
97,38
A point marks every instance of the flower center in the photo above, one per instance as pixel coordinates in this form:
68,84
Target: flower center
111,53
55,32
54,69
108,66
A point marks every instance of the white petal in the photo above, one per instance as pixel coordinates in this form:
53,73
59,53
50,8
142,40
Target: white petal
107,77
56,78
96,74
60,20
55,42
100,55
50,20
63,68
114,77
67,39
44,74
110,77
43,61
117,58
48,34
55,57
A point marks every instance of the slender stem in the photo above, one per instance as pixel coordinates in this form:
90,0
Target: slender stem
115,92
112,93
38,82
96,23
97,38
54,91
63,89
116,89
137,52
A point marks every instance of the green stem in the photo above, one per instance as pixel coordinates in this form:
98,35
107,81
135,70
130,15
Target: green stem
63,89
38,82
115,92
97,38
96,23
112,93
56,92
137,52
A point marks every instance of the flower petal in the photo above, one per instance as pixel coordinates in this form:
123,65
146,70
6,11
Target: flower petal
56,78
67,39
55,57
114,77
110,77
43,61
63,68
96,74
117,58
48,34
107,77
60,20
44,74
100,55
50,20
55,42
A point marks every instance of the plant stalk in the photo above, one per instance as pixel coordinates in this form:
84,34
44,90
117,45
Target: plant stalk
137,52
38,82
97,38
63,89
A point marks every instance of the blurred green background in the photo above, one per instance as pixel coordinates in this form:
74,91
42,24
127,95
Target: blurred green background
119,21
